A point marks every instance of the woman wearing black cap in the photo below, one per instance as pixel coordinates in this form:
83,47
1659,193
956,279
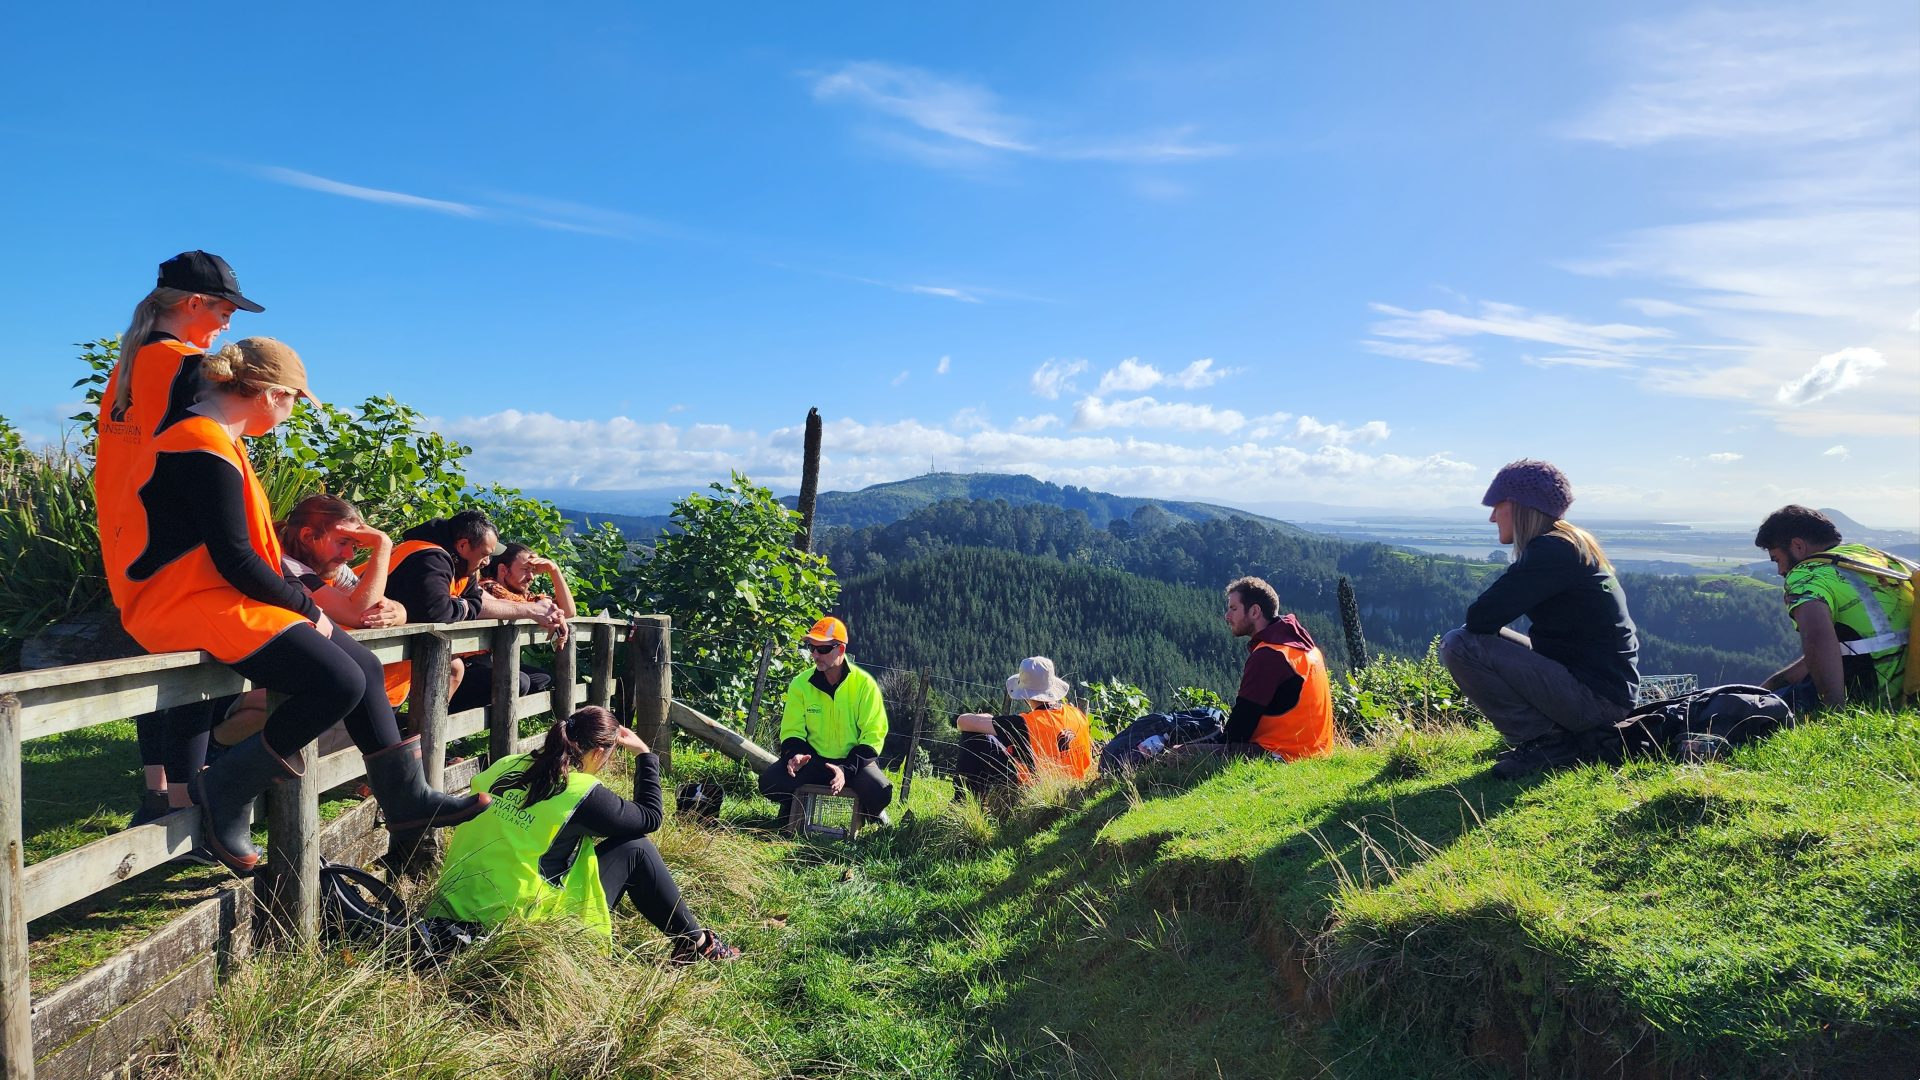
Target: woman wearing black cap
194,297
1576,669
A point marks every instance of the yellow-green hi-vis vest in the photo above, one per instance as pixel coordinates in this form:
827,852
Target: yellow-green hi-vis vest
492,871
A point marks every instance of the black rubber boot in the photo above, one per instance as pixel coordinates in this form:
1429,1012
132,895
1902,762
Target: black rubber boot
225,793
399,781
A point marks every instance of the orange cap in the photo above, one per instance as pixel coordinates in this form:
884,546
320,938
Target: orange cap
828,629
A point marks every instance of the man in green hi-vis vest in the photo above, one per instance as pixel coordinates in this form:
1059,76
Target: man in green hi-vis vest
832,727
563,844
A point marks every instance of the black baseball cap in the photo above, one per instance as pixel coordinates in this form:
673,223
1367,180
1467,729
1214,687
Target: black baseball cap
207,274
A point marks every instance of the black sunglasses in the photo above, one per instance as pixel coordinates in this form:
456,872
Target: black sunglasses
822,650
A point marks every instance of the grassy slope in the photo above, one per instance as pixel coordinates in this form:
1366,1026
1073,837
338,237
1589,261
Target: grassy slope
1389,911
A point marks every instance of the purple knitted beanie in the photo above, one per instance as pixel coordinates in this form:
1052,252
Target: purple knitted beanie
1531,483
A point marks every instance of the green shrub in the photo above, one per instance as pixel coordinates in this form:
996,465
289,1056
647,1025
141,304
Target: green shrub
1394,693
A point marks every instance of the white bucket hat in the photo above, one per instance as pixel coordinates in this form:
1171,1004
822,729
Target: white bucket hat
1035,681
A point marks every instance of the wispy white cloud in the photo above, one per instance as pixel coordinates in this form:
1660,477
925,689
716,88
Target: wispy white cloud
1054,377
945,365
1840,452
1831,374
1513,322
1659,309
1144,412
1745,74
899,379
296,178
1724,458
1585,360
1443,355
955,122
948,292
1129,375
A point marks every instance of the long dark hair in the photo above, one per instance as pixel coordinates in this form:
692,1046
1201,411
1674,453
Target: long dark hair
568,743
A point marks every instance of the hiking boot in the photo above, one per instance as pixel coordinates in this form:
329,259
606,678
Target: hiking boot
225,793
1555,751
399,782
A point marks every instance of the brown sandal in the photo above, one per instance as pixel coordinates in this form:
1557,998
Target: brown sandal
703,945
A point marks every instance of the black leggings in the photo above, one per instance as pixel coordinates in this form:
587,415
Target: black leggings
634,868
186,729
983,763
326,680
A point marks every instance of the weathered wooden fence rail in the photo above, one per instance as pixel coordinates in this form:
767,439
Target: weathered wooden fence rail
69,1038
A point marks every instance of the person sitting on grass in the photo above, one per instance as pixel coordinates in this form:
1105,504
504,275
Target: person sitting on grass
1576,669
1050,738
1853,607
556,842
1283,710
832,726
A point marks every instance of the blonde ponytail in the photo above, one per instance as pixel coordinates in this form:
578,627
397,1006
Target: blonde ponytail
146,314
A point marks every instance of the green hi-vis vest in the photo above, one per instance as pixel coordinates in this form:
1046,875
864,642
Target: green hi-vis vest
1871,597
492,871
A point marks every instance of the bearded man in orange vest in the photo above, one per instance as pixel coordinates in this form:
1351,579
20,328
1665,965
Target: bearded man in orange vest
1284,708
1050,737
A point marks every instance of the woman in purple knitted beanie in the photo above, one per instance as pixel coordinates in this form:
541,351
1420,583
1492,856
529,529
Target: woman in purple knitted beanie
1576,668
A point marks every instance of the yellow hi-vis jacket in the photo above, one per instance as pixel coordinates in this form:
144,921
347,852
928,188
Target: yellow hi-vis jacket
492,871
853,714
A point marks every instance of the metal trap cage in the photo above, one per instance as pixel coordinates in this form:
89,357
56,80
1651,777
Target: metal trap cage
818,812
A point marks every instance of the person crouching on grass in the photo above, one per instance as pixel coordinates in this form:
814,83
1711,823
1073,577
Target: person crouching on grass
1577,667
556,842
832,727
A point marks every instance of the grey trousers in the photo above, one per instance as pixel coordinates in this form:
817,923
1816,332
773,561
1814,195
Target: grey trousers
1524,694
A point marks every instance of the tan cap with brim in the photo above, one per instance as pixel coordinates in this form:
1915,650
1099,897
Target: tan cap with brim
273,362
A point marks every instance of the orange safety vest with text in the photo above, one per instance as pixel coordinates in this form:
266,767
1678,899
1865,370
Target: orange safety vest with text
1044,726
123,445
188,603
1306,730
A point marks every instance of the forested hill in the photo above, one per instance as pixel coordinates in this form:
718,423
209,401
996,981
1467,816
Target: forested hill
884,503
930,572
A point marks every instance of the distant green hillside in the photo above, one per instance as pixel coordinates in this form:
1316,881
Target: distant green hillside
883,503
1721,629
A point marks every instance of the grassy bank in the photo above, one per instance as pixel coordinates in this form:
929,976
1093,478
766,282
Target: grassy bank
1389,911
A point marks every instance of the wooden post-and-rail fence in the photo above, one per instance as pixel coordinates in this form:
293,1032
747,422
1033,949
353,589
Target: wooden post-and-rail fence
93,1023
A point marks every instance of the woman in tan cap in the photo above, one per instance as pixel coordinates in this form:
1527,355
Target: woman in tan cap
204,574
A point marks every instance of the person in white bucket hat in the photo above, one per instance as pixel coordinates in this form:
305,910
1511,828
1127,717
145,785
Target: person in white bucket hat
1049,736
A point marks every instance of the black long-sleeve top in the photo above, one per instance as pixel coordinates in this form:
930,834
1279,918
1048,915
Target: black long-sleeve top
1578,614
423,582
196,499
606,815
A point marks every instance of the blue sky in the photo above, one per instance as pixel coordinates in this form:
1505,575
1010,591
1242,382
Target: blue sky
1251,253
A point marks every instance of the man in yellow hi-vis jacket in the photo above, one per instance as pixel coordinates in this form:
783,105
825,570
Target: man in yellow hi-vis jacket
831,728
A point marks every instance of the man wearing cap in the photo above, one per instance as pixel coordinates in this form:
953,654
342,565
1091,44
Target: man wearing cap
1051,737
831,728
435,574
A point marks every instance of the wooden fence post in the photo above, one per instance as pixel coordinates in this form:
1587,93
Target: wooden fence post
431,654
566,663
293,854
16,1002
650,673
503,731
759,691
913,743
600,691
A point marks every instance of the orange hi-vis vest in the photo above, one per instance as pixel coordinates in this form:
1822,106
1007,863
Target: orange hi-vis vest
1044,725
1306,730
123,447
398,676
187,603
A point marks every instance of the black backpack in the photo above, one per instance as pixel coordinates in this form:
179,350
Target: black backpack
359,907
1693,727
